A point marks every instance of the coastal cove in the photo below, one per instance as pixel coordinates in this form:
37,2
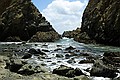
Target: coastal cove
33,48
55,54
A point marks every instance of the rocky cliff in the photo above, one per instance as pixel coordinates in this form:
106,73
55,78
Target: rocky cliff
101,21
20,20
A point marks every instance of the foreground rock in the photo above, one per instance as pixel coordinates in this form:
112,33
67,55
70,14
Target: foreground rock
36,51
101,21
14,65
108,66
99,69
20,20
67,71
28,71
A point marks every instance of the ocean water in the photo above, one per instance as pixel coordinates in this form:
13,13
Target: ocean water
51,61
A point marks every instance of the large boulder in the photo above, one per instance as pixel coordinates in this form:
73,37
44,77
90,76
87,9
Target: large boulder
14,65
101,21
67,71
29,69
20,20
49,36
99,69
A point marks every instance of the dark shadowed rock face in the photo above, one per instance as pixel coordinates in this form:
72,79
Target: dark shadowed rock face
101,21
3,5
21,19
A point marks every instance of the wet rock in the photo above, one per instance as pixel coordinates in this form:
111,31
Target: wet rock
59,61
88,69
43,64
59,45
35,52
86,61
59,55
67,71
30,69
27,56
67,56
73,54
49,61
45,50
58,49
70,48
101,70
71,61
14,65
84,54
77,50
53,63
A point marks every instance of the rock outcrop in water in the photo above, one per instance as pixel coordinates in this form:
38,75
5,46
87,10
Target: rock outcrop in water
20,20
79,36
101,21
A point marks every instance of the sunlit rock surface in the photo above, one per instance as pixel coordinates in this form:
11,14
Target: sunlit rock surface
20,20
101,21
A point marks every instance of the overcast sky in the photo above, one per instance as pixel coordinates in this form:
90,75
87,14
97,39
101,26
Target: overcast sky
64,15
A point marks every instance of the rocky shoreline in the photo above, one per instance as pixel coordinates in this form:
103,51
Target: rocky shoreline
18,64
21,21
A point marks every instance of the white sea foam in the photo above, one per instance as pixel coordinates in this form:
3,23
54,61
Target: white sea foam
53,62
